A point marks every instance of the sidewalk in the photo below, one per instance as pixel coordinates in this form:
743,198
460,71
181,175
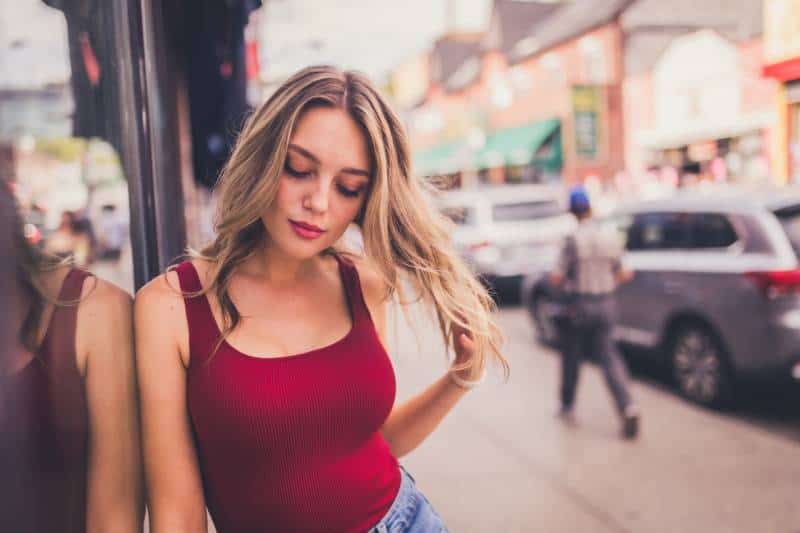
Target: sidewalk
503,462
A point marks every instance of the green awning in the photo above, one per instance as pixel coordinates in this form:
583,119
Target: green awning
437,160
515,146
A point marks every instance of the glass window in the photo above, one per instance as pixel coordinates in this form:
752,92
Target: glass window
69,379
659,231
710,230
526,210
57,125
790,220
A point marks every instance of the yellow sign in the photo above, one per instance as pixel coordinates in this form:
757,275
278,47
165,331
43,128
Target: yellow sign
781,30
587,112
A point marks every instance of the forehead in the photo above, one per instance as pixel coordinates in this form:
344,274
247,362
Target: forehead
333,137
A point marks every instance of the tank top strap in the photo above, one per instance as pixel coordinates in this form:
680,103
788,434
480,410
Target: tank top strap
352,285
203,330
58,346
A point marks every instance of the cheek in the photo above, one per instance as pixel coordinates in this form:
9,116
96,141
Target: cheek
288,194
347,210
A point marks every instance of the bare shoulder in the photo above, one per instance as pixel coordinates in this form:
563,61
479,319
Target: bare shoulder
160,294
102,297
160,320
164,291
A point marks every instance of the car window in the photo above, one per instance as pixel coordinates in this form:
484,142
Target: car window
789,217
659,231
461,216
711,230
508,212
753,234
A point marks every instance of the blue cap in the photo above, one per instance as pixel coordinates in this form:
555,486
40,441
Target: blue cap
579,200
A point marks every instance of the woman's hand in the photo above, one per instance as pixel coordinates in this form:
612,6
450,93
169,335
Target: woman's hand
464,348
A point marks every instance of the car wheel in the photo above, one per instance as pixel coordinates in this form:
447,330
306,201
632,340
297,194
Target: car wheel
700,366
546,328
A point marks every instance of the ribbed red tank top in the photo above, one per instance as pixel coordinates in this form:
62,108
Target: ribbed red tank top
44,426
292,443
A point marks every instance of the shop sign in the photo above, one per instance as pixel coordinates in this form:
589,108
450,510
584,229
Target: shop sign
587,112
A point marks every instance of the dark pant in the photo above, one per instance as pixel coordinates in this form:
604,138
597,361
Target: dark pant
587,333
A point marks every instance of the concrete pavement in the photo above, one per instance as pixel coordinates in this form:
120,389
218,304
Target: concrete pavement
502,462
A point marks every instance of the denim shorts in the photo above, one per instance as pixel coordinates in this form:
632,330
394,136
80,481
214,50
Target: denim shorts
410,512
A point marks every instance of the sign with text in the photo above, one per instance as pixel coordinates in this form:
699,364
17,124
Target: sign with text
587,113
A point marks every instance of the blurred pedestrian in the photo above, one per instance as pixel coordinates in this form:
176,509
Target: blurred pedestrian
70,240
272,398
589,271
113,232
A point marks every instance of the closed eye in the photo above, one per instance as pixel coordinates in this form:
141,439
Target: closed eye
296,173
349,193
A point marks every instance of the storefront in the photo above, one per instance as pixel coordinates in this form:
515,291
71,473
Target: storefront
524,154
709,123
782,62
531,153
732,155
125,121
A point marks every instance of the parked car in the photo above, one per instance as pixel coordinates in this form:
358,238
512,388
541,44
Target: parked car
508,231
716,290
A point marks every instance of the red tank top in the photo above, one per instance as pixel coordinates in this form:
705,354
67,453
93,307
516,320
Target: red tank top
292,443
44,428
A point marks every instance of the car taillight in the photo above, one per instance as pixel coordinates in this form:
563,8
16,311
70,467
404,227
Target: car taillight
777,282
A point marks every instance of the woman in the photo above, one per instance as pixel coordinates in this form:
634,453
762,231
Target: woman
271,398
69,441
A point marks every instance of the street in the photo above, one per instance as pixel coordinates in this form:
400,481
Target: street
502,461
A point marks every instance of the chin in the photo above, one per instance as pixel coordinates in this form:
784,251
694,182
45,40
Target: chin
306,250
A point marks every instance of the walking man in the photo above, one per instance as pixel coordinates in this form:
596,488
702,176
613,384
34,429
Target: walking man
589,271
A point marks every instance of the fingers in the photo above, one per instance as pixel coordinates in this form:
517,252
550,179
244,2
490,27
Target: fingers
466,342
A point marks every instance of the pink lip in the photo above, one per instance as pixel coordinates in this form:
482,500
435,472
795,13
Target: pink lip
306,231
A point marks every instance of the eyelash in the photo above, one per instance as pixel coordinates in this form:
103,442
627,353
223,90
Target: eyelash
348,192
296,173
344,191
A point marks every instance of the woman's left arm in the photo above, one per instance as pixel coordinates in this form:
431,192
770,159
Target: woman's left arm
115,498
411,422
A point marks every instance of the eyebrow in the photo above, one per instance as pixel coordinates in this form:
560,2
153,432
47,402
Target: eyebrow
315,159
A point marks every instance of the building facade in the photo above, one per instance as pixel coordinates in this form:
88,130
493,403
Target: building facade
782,58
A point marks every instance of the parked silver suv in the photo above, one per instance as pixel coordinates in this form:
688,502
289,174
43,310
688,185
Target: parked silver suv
716,288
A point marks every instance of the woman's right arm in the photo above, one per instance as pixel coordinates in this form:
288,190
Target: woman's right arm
174,487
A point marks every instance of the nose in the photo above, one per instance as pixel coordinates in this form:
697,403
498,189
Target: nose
317,199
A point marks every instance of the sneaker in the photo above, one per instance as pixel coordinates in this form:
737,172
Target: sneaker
630,425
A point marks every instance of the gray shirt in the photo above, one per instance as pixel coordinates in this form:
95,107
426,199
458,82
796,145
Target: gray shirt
590,259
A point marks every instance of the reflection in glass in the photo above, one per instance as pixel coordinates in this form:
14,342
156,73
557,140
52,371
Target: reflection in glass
55,132
68,415
69,446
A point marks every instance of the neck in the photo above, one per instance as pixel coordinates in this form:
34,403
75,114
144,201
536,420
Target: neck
278,268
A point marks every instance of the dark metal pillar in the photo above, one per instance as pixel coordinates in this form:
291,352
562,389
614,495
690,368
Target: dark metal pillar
146,134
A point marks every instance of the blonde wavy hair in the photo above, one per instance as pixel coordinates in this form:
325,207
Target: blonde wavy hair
402,232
